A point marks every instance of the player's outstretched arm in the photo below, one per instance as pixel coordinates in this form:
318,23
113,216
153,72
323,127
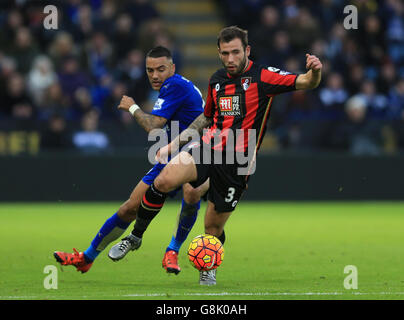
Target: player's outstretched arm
200,123
145,120
311,79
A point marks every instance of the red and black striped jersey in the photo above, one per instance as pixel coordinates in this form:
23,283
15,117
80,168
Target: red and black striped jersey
242,103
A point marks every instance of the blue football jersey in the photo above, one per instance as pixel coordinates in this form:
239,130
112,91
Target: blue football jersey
179,100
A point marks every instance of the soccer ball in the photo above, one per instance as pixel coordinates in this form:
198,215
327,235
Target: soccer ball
205,252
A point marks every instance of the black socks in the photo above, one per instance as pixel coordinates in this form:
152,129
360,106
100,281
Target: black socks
150,206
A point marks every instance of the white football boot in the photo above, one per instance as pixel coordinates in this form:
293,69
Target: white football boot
130,242
207,278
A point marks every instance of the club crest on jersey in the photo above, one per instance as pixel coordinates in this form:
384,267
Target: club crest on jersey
230,106
158,105
217,87
245,82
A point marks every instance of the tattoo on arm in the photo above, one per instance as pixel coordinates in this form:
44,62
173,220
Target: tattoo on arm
198,125
149,121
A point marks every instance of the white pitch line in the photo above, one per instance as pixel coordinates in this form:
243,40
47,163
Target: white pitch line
260,294
16,297
223,294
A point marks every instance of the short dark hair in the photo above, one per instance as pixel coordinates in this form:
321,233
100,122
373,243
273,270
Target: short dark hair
158,52
230,33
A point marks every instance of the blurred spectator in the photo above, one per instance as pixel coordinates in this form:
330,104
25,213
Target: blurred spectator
40,78
308,30
366,7
351,54
148,33
281,51
16,102
83,23
34,18
394,13
23,50
124,38
72,78
61,48
141,11
56,136
396,101
23,111
333,96
107,17
292,65
371,41
265,29
355,77
72,9
14,21
355,134
387,78
101,90
54,102
83,101
132,72
318,48
335,43
377,103
98,55
300,127
89,139
291,9
7,69
327,12
243,13
119,89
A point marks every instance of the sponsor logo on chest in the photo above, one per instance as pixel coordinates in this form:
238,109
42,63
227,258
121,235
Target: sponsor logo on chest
230,105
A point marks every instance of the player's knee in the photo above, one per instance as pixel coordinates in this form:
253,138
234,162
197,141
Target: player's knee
163,183
191,195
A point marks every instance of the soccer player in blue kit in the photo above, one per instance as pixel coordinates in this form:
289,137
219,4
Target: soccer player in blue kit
179,100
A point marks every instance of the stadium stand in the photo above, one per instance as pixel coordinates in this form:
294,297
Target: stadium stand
51,80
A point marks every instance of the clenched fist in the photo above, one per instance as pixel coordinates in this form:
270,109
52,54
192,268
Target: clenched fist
126,103
313,63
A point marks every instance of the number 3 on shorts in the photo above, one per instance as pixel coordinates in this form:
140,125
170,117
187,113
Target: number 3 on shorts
230,194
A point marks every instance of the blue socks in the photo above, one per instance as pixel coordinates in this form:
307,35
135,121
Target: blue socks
112,229
185,222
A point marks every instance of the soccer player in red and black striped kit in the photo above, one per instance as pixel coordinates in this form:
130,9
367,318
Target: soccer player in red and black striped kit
237,107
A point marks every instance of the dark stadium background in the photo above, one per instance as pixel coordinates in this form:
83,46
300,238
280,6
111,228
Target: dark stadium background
62,139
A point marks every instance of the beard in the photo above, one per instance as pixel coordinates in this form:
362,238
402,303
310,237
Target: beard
239,69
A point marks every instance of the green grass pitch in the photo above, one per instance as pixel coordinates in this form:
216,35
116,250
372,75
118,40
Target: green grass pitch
273,250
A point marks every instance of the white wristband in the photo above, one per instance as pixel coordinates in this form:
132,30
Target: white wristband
133,108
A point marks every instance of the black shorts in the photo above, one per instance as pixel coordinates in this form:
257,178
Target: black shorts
226,184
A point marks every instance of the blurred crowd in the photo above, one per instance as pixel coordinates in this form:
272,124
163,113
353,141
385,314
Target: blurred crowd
70,81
